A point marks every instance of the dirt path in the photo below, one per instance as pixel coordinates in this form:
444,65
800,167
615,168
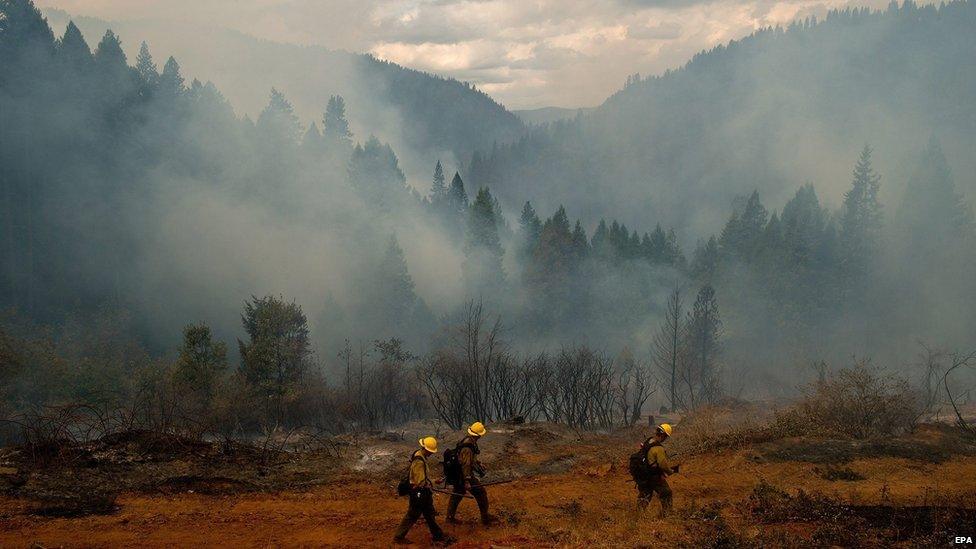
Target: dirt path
585,507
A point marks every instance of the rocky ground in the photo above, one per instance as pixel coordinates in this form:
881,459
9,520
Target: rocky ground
571,488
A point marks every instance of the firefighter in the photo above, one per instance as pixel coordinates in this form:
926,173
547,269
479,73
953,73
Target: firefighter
421,496
471,470
656,472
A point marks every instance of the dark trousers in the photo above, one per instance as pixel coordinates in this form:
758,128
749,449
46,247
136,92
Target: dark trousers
647,489
421,504
480,495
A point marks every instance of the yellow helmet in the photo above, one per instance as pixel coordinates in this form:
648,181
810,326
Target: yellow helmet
477,429
665,428
429,444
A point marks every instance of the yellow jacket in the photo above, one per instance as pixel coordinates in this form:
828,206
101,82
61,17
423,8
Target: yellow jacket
656,456
419,471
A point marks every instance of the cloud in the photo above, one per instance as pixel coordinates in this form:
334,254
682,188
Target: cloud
527,54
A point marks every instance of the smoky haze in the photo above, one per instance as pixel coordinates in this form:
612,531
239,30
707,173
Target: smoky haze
134,187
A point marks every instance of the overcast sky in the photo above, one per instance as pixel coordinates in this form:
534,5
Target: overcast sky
525,53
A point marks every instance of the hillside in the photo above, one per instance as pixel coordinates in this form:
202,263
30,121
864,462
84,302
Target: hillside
418,113
769,112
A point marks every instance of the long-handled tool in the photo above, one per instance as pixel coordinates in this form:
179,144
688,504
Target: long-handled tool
439,491
493,482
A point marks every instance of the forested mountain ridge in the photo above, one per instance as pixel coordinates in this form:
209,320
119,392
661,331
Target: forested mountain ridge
415,111
780,106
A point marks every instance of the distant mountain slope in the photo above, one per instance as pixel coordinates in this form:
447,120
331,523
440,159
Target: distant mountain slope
546,115
416,111
769,112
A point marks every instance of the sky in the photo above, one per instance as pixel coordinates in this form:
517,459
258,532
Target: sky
524,53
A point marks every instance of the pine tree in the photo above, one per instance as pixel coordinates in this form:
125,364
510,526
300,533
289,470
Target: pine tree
932,213
109,55
457,197
73,49
600,243
335,127
395,287
278,122
438,188
374,172
312,144
482,268
860,223
803,224
146,67
742,235
705,260
172,85
530,229
581,245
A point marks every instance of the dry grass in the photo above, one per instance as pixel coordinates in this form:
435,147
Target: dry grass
574,491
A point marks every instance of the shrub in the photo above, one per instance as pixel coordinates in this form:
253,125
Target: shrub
858,403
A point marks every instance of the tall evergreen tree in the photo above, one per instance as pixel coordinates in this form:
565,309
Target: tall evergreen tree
74,50
860,222
172,85
278,123
458,197
335,127
438,188
530,229
395,287
482,268
742,235
932,213
374,172
146,67
312,143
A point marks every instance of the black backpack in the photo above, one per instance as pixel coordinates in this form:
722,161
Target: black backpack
403,487
452,463
640,469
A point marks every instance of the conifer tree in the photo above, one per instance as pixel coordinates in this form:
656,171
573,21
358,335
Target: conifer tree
278,123
932,213
530,228
438,188
109,54
146,67
705,260
482,268
581,246
374,171
335,127
395,286
600,243
860,223
742,235
172,84
74,50
312,144
457,197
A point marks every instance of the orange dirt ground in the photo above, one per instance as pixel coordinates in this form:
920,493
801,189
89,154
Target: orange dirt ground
591,505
